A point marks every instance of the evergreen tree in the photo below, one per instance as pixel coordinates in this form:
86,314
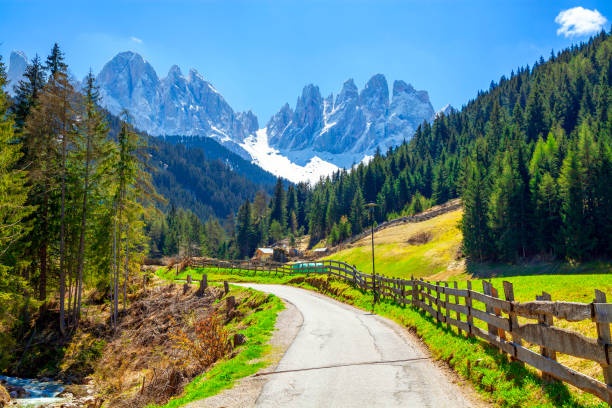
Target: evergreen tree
358,216
13,189
475,222
27,91
278,210
244,230
575,237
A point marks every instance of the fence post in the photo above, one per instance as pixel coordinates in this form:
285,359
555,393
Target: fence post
446,298
500,332
203,285
189,279
455,285
546,320
603,334
468,303
516,339
226,287
487,290
439,298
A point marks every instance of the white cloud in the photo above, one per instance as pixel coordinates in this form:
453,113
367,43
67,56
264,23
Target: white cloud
579,21
136,40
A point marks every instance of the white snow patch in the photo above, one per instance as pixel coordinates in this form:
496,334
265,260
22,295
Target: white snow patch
327,127
271,160
367,158
224,136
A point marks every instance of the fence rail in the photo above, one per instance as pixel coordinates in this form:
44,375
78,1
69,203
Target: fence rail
500,316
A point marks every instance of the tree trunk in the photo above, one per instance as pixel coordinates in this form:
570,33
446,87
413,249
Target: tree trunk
81,261
112,274
63,235
117,253
127,254
42,295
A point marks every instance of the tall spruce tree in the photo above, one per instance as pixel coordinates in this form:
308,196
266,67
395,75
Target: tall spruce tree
13,190
475,222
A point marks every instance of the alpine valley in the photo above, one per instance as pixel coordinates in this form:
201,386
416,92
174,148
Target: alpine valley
315,138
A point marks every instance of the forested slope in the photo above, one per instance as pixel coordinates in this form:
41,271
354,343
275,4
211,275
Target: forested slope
530,157
193,178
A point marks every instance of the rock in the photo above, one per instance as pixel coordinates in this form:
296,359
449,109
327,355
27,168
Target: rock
5,397
16,391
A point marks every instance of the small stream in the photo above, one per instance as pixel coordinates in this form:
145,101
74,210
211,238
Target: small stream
38,393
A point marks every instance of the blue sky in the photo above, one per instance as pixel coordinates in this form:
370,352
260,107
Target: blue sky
259,54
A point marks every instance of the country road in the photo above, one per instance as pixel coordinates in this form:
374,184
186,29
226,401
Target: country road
346,357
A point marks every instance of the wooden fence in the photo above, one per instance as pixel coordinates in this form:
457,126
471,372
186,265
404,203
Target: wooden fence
463,307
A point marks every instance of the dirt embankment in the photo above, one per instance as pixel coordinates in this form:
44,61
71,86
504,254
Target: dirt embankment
166,339
168,335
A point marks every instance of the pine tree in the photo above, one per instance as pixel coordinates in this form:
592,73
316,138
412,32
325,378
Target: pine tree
475,222
13,189
358,216
278,210
244,230
535,116
575,238
28,90
91,149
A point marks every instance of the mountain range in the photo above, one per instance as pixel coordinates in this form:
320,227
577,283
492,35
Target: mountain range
313,139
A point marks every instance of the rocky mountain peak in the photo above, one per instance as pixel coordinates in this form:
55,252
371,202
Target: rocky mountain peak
175,71
18,62
400,87
248,121
348,92
375,96
359,122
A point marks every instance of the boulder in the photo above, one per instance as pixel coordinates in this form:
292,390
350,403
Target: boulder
16,391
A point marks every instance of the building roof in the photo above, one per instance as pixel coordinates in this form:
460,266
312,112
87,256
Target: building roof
320,250
266,250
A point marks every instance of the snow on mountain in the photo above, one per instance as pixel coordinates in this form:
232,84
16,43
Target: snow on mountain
174,105
18,63
319,136
446,110
269,159
354,125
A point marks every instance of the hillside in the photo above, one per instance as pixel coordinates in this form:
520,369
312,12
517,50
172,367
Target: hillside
204,177
199,174
432,250
419,249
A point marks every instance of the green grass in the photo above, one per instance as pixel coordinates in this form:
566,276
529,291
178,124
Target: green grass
230,275
251,355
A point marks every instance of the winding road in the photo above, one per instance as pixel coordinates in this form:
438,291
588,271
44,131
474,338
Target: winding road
345,357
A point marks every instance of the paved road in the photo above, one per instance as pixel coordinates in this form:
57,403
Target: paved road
345,357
